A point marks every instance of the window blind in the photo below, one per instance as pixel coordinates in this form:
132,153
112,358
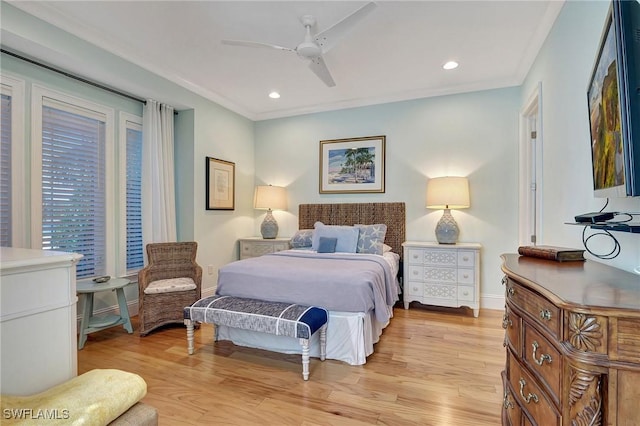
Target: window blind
135,258
73,187
5,172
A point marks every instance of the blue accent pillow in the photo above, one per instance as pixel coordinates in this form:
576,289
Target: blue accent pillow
327,245
347,236
371,238
302,239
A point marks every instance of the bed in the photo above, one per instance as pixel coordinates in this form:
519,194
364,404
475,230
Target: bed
359,290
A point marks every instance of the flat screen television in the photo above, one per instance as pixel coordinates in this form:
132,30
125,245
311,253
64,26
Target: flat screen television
614,104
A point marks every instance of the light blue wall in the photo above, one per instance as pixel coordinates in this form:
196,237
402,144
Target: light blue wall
564,67
473,134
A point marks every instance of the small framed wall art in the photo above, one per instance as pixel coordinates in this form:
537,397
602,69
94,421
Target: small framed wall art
354,165
220,185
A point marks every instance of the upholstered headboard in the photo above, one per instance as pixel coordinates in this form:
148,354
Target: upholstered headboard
391,214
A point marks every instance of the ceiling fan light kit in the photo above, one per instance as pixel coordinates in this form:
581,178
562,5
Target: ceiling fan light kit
314,46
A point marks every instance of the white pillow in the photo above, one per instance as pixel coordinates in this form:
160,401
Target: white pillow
347,236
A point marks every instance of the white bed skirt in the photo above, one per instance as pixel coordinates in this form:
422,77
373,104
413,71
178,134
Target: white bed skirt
350,338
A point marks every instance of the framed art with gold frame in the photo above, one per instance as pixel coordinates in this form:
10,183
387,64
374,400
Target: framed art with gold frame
354,165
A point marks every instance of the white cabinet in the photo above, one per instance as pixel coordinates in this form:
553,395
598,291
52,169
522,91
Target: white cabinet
442,274
256,246
37,319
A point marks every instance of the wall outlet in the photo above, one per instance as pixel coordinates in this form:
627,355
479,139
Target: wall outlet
210,269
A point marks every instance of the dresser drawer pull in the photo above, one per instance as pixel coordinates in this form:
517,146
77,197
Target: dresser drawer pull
543,357
504,281
529,396
545,314
506,322
511,291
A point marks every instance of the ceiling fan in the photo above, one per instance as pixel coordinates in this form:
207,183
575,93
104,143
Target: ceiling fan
314,46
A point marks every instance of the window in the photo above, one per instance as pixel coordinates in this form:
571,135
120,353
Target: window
73,147
131,132
5,172
12,191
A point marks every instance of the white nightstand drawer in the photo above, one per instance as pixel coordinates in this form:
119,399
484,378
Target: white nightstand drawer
441,257
415,257
414,288
416,273
466,293
466,276
441,275
466,259
253,247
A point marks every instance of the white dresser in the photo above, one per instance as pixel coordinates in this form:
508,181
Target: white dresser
442,274
257,246
37,319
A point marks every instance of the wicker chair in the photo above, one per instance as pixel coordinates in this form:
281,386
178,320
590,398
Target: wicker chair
163,302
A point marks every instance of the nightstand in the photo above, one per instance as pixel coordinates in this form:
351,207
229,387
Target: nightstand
257,246
442,274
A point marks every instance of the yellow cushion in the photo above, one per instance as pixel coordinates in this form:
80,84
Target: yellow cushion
170,285
94,398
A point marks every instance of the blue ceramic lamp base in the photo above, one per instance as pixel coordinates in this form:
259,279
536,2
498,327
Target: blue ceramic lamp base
447,229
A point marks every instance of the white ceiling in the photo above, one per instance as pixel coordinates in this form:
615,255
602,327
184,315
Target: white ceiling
395,53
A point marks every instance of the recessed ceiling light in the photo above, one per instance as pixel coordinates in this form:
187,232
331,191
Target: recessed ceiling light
274,95
450,65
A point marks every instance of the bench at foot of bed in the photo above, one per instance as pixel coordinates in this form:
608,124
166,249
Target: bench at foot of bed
283,319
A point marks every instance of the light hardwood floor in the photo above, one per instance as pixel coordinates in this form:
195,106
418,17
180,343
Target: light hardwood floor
431,367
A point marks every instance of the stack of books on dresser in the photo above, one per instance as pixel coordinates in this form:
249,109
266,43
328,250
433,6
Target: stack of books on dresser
559,254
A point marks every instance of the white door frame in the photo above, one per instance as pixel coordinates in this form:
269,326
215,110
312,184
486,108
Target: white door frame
530,170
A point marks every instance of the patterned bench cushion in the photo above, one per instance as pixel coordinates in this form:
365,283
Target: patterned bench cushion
284,319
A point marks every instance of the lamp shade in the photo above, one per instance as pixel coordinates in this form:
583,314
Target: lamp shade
270,197
448,192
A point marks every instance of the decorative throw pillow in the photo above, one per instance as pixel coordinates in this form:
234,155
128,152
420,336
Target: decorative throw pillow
347,236
371,239
386,248
302,239
327,245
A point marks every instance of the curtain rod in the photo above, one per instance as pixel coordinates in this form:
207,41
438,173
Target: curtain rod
73,76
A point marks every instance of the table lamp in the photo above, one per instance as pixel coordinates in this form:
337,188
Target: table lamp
268,197
447,192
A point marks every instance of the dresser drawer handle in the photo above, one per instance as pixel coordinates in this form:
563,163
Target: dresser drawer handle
506,322
504,281
465,258
529,396
545,314
543,357
511,291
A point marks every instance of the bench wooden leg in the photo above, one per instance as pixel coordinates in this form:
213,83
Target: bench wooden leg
189,325
305,358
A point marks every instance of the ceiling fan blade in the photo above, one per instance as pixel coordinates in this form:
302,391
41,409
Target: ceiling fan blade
329,37
320,69
255,44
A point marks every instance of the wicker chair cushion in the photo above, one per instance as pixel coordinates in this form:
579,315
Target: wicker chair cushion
170,285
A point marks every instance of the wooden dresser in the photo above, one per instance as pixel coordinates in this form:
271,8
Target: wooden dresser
572,343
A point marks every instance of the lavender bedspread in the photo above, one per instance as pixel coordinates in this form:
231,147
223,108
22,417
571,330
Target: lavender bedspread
336,281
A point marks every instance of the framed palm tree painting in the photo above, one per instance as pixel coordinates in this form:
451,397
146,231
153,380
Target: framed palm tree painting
354,165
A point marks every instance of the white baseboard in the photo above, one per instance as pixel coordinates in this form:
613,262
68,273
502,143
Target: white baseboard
492,301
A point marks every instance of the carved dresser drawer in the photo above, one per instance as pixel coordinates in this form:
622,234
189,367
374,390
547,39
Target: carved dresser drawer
535,401
572,338
541,310
544,360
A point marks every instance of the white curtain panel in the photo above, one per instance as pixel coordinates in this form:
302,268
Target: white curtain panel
158,196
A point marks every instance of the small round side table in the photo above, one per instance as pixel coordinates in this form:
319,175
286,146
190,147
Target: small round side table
90,323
